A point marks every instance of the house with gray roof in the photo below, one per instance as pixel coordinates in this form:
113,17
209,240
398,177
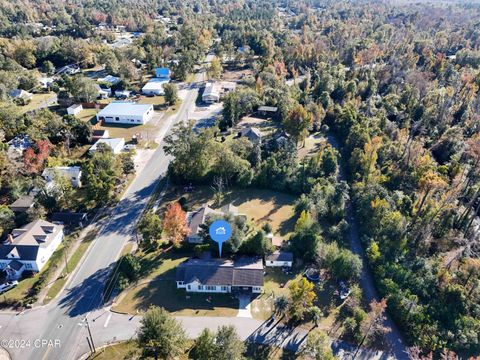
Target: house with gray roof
279,258
196,218
29,247
244,274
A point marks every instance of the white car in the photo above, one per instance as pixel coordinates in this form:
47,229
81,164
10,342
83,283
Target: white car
7,286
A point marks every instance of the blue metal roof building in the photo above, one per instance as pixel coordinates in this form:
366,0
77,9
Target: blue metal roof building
162,73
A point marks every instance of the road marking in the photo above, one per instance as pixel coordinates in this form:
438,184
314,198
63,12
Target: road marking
108,320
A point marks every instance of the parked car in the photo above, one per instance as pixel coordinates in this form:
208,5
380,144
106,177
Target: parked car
344,291
8,285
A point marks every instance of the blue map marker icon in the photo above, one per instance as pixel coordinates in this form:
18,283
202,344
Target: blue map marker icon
220,231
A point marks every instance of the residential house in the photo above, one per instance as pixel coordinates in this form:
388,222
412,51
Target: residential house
19,144
279,259
21,94
242,275
73,173
123,94
109,79
71,69
196,218
46,82
74,109
251,133
22,204
154,87
102,92
211,94
30,247
124,112
116,144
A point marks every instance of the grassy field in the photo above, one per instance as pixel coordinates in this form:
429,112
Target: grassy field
125,349
313,144
72,263
159,288
37,101
117,351
260,206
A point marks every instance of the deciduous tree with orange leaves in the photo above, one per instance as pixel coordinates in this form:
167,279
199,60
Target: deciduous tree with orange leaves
175,223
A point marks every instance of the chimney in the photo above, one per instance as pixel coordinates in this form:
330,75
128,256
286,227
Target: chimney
10,238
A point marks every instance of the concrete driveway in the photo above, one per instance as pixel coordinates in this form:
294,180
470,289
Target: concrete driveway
244,302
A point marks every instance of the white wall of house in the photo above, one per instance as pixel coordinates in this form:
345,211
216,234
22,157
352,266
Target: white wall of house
45,253
197,287
273,263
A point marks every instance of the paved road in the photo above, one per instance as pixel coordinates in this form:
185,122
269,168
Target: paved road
395,337
61,320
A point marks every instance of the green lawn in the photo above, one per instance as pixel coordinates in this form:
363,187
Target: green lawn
37,101
261,206
159,288
312,145
117,351
72,263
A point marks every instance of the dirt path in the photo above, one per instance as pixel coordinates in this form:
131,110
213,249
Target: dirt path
394,337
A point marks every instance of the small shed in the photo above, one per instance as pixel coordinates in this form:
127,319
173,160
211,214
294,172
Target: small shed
74,109
279,259
267,110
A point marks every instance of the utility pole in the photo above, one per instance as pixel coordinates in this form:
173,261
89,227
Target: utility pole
90,334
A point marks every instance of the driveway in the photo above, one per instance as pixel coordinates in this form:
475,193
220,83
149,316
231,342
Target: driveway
394,337
244,303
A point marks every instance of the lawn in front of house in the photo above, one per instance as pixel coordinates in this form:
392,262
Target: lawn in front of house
159,288
72,263
259,205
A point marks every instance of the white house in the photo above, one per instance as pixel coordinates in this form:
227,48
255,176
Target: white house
109,79
103,93
221,276
20,94
116,144
46,82
123,112
211,94
73,173
122,93
154,87
279,258
30,247
74,109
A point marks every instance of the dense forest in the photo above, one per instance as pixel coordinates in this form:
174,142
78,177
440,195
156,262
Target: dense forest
395,85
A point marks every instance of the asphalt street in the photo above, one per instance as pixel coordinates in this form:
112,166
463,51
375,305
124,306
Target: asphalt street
62,321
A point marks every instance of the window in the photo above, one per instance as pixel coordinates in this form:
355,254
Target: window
200,287
189,287
28,266
117,118
224,288
210,288
180,283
